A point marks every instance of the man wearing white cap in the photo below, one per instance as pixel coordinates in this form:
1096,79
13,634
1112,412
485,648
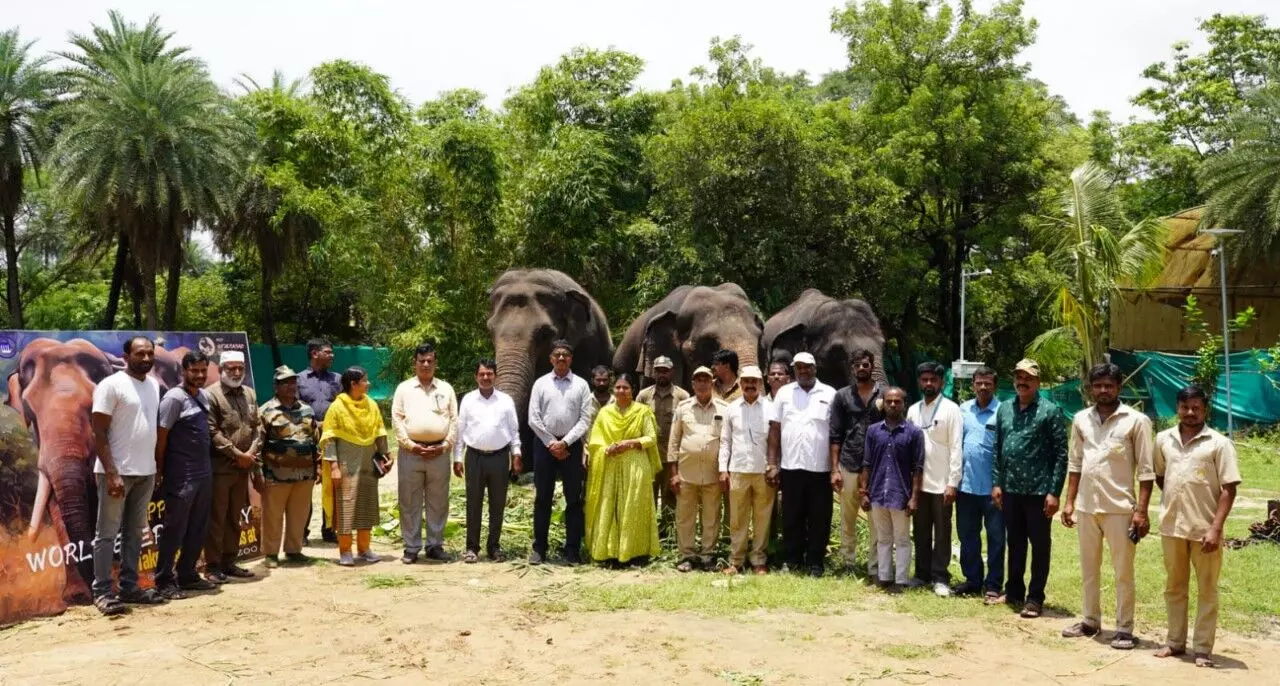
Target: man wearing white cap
233,421
743,443
662,397
693,453
799,439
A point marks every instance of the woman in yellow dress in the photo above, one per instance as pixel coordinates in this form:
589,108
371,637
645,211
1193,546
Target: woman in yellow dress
622,459
353,433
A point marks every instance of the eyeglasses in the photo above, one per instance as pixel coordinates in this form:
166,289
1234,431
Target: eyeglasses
560,356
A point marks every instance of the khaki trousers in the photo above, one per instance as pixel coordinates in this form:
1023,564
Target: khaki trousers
691,499
285,511
1114,529
850,506
750,506
1180,555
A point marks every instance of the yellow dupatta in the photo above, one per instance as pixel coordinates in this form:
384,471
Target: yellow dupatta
358,422
612,425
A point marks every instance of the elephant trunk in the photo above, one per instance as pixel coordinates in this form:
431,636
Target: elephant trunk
515,374
747,349
66,454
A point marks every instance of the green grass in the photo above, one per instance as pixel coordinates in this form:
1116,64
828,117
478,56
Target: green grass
390,581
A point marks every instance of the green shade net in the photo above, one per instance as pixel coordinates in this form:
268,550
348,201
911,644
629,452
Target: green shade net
1254,396
372,359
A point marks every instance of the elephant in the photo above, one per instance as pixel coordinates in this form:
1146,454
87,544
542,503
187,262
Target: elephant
528,310
689,326
830,330
52,387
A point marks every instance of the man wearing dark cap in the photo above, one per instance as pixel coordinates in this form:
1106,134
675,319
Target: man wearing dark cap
289,460
662,397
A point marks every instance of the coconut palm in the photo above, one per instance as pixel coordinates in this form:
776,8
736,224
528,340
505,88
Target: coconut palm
147,148
1099,250
1243,183
26,93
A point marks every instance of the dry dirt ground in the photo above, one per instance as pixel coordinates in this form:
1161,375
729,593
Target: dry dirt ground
474,624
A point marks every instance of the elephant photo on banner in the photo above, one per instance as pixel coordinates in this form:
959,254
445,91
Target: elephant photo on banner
689,326
48,500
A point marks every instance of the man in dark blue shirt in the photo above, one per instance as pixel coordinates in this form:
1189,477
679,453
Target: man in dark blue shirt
317,387
185,476
890,478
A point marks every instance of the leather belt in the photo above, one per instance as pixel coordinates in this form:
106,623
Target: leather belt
488,453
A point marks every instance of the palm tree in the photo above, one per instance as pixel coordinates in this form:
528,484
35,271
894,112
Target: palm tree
257,218
147,148
1099,250
1243,182
26,94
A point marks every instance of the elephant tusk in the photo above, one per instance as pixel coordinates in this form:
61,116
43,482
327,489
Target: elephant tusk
41,505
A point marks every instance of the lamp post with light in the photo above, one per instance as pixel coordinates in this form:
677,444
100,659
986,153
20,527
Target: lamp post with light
1220,252
962,368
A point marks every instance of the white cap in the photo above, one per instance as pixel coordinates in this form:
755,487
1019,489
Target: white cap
231,356
803,358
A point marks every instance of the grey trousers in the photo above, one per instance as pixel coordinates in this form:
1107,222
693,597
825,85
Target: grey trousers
126,516
423,482
931,529
491,472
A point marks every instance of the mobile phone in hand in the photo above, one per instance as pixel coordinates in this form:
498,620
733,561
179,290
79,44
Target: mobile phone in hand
1134,534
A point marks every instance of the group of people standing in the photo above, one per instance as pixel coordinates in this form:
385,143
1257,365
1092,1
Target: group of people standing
632,463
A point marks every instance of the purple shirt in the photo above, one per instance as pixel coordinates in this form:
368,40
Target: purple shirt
318,390
891,457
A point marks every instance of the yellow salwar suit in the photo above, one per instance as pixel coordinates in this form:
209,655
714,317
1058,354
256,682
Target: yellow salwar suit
621,521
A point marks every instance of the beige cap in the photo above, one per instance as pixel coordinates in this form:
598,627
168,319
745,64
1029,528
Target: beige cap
750,372
663,362
700,371
1029,366
803,358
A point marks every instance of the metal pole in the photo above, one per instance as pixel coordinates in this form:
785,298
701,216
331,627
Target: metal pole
1226,334
963,281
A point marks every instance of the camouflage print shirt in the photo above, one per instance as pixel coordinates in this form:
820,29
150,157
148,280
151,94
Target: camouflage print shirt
289,442
1030,448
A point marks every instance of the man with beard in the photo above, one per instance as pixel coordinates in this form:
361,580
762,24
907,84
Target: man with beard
724,366
1109,443
893,462
186,479
662,397
943,426
855,407
799,459
233,421
317,387
974,508
125,406
601,387
1196,469
1030,466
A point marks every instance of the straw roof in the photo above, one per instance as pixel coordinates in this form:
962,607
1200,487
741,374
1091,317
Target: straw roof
1188,263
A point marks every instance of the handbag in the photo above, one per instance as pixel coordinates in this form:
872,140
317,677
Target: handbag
381,465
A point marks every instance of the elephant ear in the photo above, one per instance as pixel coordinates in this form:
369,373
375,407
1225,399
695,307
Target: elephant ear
660,339
791,340
579,307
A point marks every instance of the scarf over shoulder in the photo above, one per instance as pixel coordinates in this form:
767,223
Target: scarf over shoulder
358,422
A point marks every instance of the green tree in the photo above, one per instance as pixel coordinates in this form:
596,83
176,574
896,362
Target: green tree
146,148
1099,250
27,92
1243,183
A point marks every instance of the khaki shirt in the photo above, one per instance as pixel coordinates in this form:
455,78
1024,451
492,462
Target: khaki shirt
234,425
1106,455
663,403
728,395
695,440
424,415
1194,474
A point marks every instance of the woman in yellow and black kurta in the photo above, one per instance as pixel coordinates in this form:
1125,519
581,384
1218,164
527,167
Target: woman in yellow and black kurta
353,432
622,461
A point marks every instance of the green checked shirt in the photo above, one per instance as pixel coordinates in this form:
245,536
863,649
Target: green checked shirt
1031,448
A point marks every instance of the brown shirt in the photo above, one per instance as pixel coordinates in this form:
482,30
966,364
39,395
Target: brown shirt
1194,474
1107,455
728,394
663,403
233,423
695,440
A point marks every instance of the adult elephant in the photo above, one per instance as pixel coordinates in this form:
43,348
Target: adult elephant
528,310
689,326
830,330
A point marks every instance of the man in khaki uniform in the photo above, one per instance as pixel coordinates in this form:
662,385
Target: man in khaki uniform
693,454
424,414
724,372
1196,469
743,445
662,398
1109,443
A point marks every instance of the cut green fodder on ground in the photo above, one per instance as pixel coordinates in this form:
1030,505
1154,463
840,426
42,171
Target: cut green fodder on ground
373,581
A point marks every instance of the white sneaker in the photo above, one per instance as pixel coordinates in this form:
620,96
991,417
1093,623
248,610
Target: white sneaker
941,590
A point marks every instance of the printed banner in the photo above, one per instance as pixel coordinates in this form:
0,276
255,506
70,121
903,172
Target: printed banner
48,495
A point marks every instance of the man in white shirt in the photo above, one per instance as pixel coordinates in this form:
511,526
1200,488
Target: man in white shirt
560,413
126,406
487,452
424,415
943,426
799,438
743,444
